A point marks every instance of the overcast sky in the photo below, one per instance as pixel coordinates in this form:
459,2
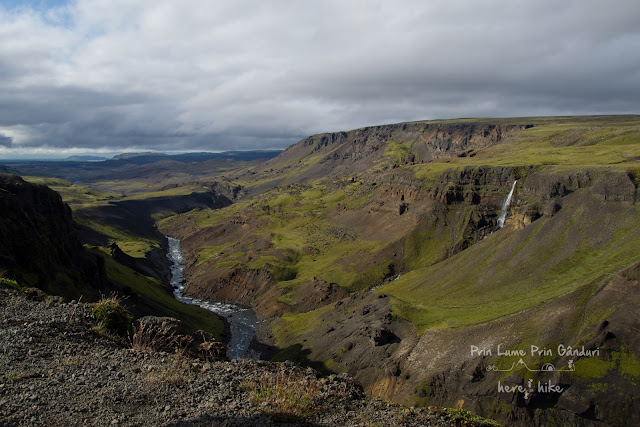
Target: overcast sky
98,76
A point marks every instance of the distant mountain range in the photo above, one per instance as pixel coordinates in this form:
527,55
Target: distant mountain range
143,166
83,159
150,157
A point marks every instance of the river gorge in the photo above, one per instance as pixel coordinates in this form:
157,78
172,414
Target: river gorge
242,321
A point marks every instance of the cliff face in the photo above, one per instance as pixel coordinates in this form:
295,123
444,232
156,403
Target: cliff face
39,243
428,141
40,247
431,141
360,150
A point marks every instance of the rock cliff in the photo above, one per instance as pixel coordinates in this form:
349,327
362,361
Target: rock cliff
39,244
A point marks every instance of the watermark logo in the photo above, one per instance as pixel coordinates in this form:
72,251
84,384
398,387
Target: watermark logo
519,365
542,387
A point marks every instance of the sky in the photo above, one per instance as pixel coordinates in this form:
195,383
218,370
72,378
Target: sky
106,76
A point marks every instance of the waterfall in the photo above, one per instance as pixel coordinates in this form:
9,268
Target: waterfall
505,206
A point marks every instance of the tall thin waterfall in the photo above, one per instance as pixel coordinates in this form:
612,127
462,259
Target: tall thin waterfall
505,206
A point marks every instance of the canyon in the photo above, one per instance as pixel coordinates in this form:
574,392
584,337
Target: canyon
382,253
389,253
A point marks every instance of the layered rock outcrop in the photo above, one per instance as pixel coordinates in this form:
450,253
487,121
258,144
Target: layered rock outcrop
39,244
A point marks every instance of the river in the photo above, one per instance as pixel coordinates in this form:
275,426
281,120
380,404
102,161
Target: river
242,321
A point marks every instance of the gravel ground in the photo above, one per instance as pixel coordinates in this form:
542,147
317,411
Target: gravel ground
56,370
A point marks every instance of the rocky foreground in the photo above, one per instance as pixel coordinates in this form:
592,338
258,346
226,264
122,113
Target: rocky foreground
57,369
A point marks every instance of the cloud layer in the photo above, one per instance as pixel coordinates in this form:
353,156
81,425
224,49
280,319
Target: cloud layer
200,75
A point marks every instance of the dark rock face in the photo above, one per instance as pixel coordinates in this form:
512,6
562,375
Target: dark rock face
39,245
549,186
33,215
610,186
616,187
179,204
383,336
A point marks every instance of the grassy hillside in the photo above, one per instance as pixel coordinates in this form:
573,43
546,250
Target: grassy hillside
562,272
548,258
156,298
612,142
300,239
586,243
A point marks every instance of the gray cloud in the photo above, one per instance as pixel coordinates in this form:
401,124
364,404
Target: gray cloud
247,74
5,141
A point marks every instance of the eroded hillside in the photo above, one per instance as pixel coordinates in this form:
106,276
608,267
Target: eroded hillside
337,215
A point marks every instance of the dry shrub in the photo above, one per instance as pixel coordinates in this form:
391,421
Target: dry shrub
284,397
146,338
211,351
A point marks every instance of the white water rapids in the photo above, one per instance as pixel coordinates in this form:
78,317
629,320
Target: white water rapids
505,206
242,321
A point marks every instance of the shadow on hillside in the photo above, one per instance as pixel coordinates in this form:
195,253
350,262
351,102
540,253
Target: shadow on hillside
295,353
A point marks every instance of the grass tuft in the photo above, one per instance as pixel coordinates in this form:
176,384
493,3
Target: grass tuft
113,318
11,284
